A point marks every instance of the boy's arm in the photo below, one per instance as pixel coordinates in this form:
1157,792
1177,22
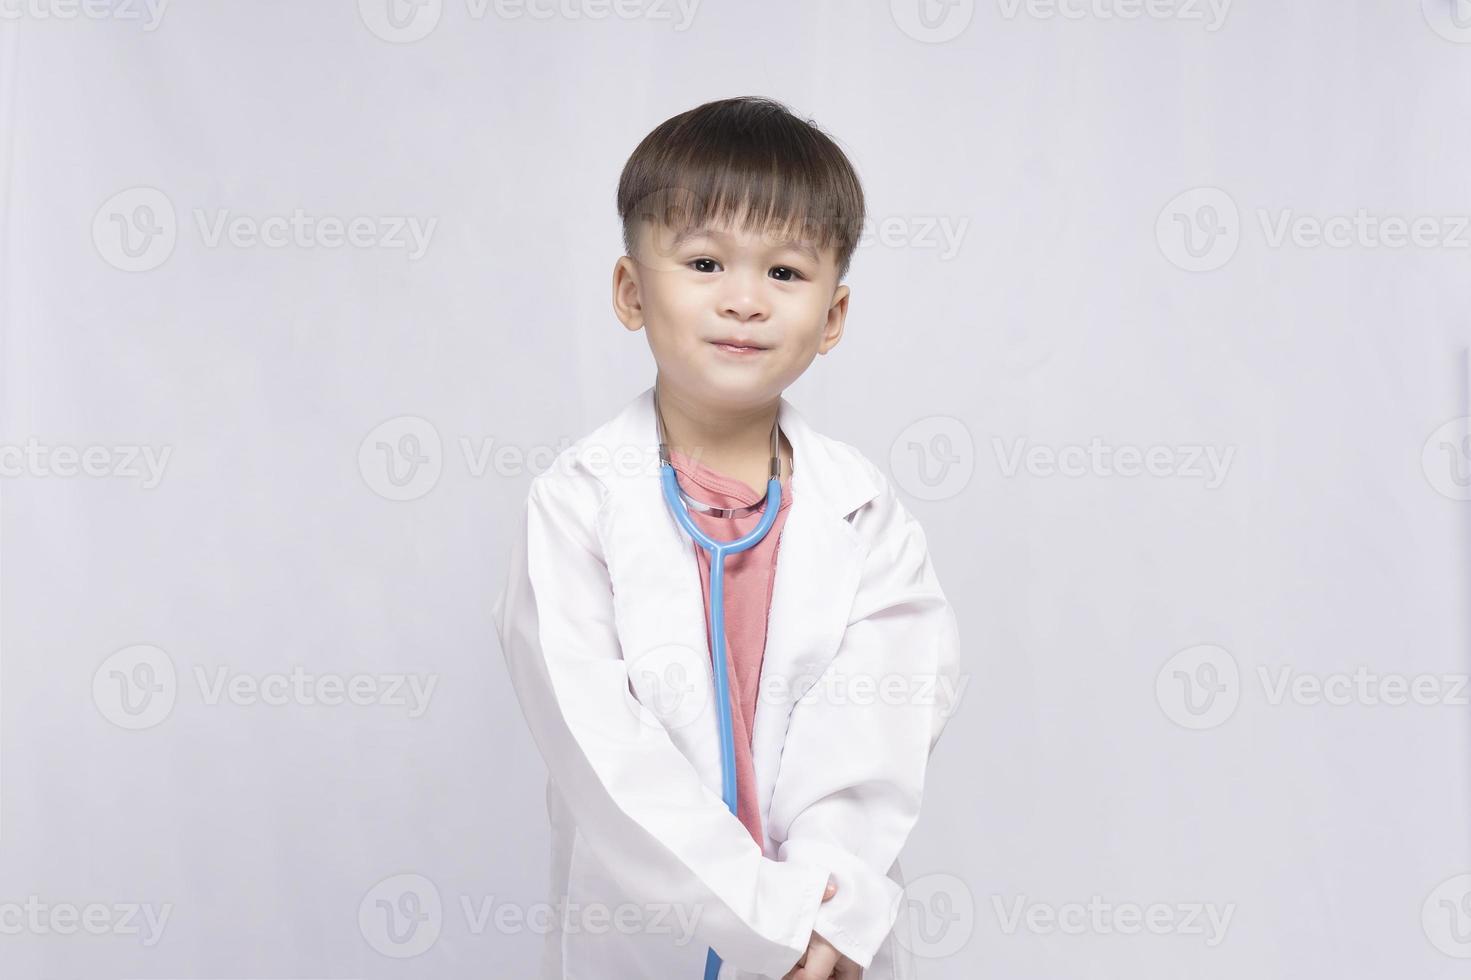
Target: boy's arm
638,802
854,760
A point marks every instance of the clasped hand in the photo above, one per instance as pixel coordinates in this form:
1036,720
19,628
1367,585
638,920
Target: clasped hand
822,961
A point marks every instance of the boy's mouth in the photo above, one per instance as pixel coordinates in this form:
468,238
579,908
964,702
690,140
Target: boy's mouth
738,346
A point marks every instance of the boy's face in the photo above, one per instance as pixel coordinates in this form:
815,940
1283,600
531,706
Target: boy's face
721,283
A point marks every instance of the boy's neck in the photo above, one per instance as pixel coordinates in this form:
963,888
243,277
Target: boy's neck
736,442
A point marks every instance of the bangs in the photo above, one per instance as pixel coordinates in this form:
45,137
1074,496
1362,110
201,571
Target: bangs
749,164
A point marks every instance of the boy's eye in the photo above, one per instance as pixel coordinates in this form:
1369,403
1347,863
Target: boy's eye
785,273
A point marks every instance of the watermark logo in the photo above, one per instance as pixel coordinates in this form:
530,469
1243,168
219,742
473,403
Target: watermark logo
1190,461
592,918
412,692
401,916
932,21
35,917
400,21
402,458
861,689
386,232
1446,459
939,914
148,12
1199,687
1211,13
1451,19
1363,686
1361,229
940,232
1446,917
136,687
135,230
933,458
407,21
679,13
1199,229
671,685
37,459
1103,918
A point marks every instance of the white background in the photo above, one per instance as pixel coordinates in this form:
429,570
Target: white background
1331,541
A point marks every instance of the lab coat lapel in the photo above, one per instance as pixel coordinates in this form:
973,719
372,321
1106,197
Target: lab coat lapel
817,572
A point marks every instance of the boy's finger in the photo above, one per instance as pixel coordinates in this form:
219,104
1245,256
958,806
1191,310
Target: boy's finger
795,973
820,963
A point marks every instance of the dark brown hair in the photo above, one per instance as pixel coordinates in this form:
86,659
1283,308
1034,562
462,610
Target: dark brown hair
746,155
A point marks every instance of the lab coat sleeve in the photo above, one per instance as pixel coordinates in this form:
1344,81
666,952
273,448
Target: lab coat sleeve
859,740
637,801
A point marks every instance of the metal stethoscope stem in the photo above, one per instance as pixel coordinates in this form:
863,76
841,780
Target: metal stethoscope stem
711,509
680,504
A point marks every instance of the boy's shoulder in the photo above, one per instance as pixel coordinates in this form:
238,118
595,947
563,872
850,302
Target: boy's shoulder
597,461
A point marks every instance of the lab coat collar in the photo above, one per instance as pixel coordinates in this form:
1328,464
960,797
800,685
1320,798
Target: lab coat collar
823,470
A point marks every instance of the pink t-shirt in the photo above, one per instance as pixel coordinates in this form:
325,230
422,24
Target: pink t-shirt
749,577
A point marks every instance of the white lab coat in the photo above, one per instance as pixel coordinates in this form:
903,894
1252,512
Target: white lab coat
602,619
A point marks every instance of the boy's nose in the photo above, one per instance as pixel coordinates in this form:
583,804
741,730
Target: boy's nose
743,297
744,304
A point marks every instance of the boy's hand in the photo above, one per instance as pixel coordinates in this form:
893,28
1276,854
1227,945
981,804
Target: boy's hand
822,961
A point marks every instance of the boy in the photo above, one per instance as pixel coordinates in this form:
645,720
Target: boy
739,221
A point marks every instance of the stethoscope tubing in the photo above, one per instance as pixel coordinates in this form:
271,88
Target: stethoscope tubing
675,498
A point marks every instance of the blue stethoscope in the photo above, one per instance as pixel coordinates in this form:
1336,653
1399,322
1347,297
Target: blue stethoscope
679,503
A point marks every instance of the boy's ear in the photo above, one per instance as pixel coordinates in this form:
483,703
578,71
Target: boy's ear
627,303
837,315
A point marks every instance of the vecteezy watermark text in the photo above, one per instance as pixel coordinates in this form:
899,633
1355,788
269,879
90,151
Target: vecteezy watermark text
407,21
1102,918
36,917
403,915
1210,463
137,687
1212,13
1200,229
150,12
1201,686
36,459
137,229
